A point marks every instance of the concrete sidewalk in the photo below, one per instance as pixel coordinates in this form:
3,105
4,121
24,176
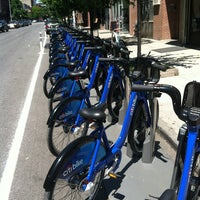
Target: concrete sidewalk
184,66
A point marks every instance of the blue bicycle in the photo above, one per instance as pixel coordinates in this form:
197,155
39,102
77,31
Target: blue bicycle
79,169
67,86
65,124
61,68
185,183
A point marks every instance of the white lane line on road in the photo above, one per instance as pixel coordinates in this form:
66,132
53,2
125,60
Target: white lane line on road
9,170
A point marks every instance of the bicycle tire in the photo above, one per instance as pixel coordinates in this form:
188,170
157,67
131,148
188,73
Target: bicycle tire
61,90
138,129
68,181
47,84
115,100
51,77
62,130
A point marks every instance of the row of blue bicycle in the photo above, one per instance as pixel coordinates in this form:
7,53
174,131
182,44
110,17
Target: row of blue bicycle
86,83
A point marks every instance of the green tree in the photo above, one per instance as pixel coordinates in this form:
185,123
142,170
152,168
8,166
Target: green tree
17,10
39,12
63,8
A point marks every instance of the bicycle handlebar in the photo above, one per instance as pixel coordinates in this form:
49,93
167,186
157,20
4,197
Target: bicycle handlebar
172,91
154,64
125,51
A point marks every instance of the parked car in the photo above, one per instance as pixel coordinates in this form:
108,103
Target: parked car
51,25
21,23
13,24
3,26
29,22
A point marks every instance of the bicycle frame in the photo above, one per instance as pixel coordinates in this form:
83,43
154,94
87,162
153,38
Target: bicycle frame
86,95
191,148
72,86
112,73
115,150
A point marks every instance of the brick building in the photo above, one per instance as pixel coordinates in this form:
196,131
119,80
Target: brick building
168,19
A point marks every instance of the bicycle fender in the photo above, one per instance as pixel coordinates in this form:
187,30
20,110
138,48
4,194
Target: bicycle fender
59,108
56,86
70,161
46,74
50,70
54,114
49,180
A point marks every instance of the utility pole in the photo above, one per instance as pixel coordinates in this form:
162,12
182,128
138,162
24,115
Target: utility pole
10,12
139,28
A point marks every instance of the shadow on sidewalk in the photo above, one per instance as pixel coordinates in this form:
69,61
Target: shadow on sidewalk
111,186
186,61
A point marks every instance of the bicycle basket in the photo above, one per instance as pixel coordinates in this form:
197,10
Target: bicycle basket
191,97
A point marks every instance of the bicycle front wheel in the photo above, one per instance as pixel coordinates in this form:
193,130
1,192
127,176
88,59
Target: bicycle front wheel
193,192
64,129
138,129
115,100
70,172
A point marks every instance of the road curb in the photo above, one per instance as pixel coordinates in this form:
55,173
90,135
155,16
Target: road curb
169,72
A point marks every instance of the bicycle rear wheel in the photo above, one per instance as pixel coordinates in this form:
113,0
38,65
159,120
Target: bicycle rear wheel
67,176
64,129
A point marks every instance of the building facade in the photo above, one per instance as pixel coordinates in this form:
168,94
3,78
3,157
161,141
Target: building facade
5,12
4,9
168,19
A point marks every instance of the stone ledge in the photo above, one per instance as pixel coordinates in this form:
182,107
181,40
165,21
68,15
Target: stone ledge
169,72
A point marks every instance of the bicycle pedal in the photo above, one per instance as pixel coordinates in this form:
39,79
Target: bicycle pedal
113,175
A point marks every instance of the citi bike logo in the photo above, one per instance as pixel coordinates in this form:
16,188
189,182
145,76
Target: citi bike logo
133,106
109,83
72,167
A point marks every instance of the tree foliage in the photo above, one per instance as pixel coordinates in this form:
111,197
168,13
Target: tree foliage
17,10
63,8
39,12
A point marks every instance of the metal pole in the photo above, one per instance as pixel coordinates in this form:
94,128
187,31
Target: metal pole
41,41
138,28
10,10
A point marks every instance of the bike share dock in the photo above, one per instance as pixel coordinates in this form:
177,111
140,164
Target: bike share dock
146,181
139,179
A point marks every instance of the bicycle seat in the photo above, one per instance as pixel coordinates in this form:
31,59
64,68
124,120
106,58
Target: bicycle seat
115,61
95,114
97,50
79,74
191,103
83,42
